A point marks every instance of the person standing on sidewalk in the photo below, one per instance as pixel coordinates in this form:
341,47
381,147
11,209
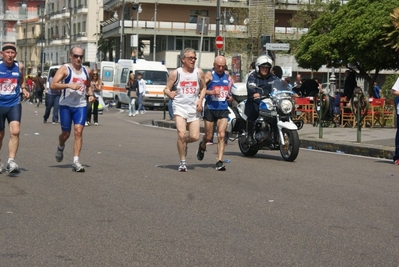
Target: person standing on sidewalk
12,82
73,80
52,100
186,86
217,95
141,84
132,90
96,86
395,92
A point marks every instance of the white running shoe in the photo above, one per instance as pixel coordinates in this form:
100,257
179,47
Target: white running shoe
182,167
77,167
12,167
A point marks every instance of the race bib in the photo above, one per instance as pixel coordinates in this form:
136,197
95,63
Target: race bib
188,87
8,86
223,93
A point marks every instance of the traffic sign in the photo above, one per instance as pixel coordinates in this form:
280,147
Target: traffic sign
278,46
219,42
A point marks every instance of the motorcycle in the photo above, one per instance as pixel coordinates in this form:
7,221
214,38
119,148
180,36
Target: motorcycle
272,130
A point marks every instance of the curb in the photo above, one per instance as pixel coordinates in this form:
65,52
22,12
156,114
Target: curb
367,150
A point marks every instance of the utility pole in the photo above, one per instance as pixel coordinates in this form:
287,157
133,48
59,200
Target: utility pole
122,21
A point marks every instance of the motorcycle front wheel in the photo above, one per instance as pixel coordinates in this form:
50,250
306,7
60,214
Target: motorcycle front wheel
246,149
290,150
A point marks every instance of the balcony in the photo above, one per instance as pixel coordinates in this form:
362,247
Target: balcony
167,28
207,3
26,42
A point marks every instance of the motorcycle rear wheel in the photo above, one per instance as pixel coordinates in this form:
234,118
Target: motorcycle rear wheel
246,149
290,150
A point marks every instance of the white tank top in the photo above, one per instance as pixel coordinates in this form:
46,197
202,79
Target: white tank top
75,98
187,86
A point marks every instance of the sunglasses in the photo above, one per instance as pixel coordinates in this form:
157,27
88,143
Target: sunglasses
94,74
191,58
78,56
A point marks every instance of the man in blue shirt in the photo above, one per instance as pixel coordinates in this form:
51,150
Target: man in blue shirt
377,90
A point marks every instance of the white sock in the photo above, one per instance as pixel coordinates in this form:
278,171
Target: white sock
75,158
9,160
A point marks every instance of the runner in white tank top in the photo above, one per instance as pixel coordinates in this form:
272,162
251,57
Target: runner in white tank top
186,85
187,93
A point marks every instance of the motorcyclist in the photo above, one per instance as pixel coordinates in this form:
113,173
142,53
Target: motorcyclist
262,78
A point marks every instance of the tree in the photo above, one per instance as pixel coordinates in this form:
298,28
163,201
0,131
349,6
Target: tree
392,37
350,35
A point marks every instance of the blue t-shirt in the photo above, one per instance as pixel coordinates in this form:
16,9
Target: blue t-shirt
218,102
9,84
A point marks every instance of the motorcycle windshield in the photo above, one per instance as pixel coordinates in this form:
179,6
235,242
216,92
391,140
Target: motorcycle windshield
279,89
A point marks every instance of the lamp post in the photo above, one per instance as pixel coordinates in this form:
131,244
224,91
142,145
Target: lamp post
139,10
217,23
122,21
42,59
231,20
70,26
25,7
155,32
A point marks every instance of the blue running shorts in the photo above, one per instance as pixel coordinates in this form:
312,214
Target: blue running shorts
11,114
69,114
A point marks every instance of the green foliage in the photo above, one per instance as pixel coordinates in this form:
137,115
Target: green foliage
392,36
386,88
350,34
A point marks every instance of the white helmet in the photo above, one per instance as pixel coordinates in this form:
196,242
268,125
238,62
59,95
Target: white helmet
263,60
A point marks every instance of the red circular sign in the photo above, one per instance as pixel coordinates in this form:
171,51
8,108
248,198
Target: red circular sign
219,42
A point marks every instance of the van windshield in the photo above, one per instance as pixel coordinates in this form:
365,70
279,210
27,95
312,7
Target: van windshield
154,77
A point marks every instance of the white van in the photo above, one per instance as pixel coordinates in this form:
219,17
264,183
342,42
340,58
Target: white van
154,73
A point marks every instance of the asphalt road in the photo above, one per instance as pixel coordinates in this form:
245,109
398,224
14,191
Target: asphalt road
132,208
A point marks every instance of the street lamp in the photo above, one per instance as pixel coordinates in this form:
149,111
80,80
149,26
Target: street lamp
231,20
42,59
139,10
25,7
122,20
155,32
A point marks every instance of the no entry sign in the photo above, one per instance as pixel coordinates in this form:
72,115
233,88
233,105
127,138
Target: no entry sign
219,42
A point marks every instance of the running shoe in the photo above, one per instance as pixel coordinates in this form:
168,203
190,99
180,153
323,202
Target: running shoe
200,152
77,167
220,166
12,167
182,167
96,124
59,155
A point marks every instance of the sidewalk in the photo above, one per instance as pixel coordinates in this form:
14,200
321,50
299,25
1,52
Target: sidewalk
375,142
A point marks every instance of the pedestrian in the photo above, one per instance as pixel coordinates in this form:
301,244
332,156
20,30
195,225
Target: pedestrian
377,90
141,85
132,89
29,86
39,88
217,95
395,92
13,83
96,86
52,100
73,80
186,86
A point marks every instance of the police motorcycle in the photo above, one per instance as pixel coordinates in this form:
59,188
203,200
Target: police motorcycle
272,130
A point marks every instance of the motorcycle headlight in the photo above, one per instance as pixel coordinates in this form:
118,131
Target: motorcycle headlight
286,106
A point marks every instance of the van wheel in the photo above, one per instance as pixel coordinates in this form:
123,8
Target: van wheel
117,102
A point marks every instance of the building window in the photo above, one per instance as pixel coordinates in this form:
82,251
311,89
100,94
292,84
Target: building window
195,13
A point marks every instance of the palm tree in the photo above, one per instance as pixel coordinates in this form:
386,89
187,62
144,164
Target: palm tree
392,37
